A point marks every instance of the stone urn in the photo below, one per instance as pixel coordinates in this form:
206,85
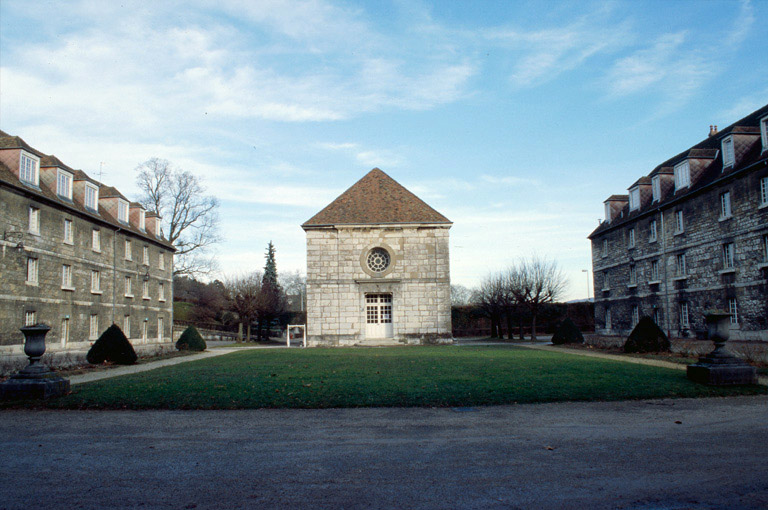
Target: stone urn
35,381
720,367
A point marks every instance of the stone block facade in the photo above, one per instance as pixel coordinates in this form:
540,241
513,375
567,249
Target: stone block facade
338,281
76,270
683,248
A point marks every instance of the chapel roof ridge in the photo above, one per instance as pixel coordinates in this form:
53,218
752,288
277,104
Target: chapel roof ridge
373,200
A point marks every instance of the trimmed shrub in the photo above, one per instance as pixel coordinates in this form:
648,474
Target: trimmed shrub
567,333
112,346
647,337
191,340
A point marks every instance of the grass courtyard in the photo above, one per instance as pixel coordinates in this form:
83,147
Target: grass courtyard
394,377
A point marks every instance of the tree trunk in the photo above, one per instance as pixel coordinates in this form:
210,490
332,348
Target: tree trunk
248,332
510,331
533,327
239,332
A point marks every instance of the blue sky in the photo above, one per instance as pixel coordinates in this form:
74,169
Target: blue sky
514,119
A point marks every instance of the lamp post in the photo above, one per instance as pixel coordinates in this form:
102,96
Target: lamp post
587,271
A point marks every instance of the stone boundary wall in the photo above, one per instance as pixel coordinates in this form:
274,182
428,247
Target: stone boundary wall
749,350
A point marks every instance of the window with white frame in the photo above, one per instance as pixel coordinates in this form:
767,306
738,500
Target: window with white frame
145,290
654,270
652,232
30,318
144,330
161,291
684,321
764,191
657,316
607,318
679,222
122,211
64,184
605,248
682,175
95,282
32,270
635,315
34,220
96,240
680,264
93,327
631,238
733,309
764,132
765,248
128,251
128,287
64,331
160,328
68,231
725,205
656,188
632,274
145,255
161,262
28,166
727,146
66,277
142,220
606,281
728,256
91,197
127,326
634,199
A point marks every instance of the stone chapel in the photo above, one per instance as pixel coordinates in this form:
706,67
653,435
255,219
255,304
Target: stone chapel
378,268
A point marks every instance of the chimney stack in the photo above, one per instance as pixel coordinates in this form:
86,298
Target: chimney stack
713,130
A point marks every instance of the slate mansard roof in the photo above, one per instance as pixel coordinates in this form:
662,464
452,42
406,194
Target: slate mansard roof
374,200
103,216
747,155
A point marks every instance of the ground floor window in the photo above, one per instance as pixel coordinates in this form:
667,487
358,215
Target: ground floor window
127,326
733,308
159,329
657,316
684,323
94,327
64,331
607,318
30,318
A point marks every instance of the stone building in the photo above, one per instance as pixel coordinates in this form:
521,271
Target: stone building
77,256
377,268
689,237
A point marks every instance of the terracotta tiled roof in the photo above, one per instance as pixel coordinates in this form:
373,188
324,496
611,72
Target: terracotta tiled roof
376,199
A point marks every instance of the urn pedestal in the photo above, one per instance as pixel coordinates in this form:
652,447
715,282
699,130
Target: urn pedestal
35,381
720,367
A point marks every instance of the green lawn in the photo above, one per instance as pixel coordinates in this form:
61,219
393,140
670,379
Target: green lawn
406,376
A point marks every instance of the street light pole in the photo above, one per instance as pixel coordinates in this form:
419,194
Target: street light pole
587,271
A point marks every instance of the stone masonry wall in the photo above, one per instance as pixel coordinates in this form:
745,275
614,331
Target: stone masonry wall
707,283
337,282
52,303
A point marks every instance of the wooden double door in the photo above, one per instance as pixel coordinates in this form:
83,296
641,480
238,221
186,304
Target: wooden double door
378,316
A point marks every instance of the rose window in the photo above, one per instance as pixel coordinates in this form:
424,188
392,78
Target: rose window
378,260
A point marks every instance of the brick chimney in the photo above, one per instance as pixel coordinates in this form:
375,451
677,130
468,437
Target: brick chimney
712,130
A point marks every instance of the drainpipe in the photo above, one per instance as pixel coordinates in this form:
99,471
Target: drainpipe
114,273
666,280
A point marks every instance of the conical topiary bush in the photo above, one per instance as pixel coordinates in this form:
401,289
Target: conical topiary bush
647,337
112,346
567,333
191,340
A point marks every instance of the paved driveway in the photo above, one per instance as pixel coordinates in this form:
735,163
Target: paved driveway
572,455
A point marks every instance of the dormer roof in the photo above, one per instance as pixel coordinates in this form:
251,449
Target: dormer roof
374,200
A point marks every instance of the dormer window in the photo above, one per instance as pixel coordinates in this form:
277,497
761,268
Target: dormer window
656,187
28,169
64,184
682,175
91,197
142,220
764,132
122,211
727,146
634,199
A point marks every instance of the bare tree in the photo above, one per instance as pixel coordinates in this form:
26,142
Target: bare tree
244,294
460,295
190,216
294,284
491,296
533,282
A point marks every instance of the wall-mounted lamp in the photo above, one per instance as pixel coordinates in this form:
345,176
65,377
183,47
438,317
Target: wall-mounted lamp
14,236
146,276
